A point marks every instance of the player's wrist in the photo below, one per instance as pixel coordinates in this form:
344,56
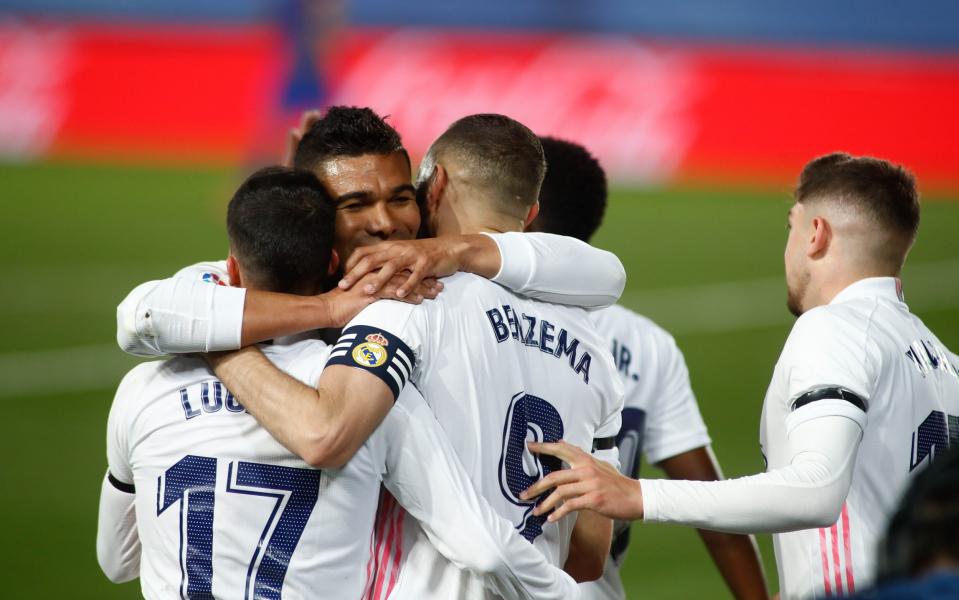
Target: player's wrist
322,310
636,505
478,254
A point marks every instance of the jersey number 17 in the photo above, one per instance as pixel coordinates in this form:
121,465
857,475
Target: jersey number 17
191,483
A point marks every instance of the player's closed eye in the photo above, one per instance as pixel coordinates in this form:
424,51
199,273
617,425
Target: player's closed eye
351,205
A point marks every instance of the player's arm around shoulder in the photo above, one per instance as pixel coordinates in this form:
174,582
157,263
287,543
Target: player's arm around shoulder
559,269
176,315
544,266
325,425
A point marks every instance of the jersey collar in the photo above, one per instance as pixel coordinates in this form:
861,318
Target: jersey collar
872,287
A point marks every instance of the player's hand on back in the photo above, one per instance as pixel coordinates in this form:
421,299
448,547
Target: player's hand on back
376,266
587,484
307,120
343,305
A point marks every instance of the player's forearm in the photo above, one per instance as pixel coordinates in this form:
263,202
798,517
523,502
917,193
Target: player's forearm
589,546
806,493
291,411
268,315
559,269
180,315
478,254
737,558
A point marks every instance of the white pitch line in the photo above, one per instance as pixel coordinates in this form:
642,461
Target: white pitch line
749,304
64,370
702,309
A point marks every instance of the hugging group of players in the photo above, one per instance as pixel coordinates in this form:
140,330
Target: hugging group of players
396,389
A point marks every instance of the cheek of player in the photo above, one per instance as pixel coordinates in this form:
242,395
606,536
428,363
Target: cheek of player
793,253
375,200
369,221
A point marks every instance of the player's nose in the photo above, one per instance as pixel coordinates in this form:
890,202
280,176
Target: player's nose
380,222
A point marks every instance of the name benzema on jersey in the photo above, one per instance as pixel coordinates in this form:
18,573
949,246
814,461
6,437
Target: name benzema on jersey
539,333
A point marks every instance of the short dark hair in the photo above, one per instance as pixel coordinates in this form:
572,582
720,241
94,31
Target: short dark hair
572,200
500,155
346,131
882,191
280,223
925,528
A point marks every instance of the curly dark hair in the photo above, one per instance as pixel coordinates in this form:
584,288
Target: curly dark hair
572,200
346,131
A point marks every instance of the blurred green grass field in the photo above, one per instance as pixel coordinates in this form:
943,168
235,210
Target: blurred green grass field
705,263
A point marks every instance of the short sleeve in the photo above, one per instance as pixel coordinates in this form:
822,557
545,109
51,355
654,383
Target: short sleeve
118,426
827,357
611,416
674,424
383,340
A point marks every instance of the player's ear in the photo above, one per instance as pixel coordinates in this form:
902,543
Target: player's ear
820,235
334,263
436,187
533,212
233,270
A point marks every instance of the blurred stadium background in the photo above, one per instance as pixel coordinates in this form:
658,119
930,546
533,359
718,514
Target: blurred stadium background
125,126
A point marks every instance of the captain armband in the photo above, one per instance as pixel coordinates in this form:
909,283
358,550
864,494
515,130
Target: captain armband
376,351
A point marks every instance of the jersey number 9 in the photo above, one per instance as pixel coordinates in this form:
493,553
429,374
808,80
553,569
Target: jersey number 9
534,419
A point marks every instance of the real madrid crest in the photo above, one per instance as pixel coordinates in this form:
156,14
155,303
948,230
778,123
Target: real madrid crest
372,352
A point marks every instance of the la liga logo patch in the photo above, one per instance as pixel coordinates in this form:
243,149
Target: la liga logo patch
371,353
213,278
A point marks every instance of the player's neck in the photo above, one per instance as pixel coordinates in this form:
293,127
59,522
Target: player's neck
479,223
830,287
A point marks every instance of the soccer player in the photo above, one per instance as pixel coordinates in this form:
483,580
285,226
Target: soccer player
497,368
862,396
200,501
660,414
361,161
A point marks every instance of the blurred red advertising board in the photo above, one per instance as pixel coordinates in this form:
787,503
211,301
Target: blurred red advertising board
653,112
134,93
661,112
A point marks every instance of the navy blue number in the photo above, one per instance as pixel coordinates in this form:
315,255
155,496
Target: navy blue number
302,487
190,482
936,433
533,418
629,440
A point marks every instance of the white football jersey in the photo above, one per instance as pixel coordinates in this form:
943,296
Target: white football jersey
864,347
660,414
497,369
224,510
